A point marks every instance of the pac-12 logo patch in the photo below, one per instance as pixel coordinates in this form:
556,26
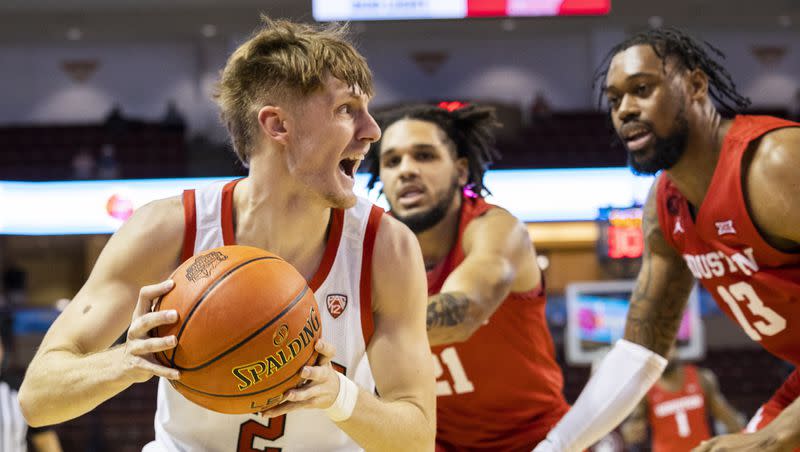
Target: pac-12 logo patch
336,304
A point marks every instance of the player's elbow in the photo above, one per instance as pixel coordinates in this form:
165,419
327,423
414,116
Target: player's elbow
30,407
423,440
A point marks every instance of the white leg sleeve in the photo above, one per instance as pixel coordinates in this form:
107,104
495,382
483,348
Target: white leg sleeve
619,383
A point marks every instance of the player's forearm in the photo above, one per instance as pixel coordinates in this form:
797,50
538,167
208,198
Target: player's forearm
61,385
620,382
785,429
733,421
400,425
449,318
657,306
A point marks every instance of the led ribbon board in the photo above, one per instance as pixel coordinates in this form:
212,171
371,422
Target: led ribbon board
100,207
363,10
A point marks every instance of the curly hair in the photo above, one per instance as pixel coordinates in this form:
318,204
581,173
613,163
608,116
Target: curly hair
283,61
470,129
690,54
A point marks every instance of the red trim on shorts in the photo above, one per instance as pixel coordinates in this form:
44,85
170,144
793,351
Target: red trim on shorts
228,235
365,286
190,225
334,237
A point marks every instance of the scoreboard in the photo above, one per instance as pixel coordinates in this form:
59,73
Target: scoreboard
621,233
362,10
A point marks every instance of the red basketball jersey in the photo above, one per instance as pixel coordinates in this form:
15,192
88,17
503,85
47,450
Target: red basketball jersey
753,283
502,388
678,420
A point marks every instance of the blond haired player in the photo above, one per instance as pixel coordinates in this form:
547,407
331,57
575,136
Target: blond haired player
294,98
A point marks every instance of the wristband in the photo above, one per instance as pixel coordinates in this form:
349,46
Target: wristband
345,402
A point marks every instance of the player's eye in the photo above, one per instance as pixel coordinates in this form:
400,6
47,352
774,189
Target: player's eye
391,162
642,90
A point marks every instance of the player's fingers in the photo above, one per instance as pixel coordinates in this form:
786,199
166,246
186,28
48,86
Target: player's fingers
326,352
304,393
315,373
142,325
141,347
155,369
704,446
151,292
283,408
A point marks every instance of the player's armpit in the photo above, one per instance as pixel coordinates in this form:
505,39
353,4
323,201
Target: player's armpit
662,288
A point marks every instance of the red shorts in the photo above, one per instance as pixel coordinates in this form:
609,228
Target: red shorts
785,395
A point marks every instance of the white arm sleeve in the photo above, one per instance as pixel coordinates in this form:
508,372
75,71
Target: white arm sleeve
622,379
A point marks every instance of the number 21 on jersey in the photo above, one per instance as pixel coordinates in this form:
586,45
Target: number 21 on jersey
461,383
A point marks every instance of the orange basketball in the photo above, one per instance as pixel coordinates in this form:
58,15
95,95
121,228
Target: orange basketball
247,323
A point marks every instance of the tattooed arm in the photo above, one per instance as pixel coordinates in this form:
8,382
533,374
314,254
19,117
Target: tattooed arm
499,258
662,288
633,364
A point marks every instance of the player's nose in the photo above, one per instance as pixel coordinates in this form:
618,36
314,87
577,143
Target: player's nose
369,130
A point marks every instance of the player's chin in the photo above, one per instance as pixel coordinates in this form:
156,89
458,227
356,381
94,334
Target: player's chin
343,199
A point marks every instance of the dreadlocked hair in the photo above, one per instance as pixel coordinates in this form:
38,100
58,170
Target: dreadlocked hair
691,54
470,128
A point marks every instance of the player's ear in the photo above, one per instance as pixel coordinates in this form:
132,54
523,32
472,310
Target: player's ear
462,167
698,85
272,121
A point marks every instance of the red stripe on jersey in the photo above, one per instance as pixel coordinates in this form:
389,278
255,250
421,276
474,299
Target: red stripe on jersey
228,235
330,250
190,225
365,289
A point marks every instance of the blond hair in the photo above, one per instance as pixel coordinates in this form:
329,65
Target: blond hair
283,61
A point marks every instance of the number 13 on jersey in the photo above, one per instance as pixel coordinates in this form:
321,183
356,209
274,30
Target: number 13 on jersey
461,383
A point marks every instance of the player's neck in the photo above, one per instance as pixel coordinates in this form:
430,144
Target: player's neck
694,171
673,380
437,241
282,220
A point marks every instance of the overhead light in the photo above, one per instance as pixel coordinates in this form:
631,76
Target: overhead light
74,34
655,21
785,21
209,30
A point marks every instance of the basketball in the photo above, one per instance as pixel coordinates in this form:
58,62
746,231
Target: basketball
247,324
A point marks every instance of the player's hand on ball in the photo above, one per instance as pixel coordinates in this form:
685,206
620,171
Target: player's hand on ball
320,389
138,359
763,441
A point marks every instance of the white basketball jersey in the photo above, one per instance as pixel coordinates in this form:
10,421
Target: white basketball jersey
342,286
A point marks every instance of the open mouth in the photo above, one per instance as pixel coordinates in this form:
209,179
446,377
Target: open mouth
638,140
348,167
410,195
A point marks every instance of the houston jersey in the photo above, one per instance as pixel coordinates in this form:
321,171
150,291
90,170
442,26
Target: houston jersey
342,286
678,419
754,283
500,389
